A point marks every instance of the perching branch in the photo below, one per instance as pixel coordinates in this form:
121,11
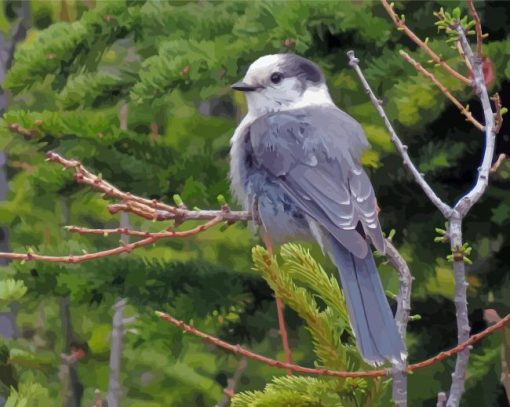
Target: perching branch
442,88
239,350
401,26
146,208
401,148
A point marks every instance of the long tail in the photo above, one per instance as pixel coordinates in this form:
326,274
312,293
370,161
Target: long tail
371,318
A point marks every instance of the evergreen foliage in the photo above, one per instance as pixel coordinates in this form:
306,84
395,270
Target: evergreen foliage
171,63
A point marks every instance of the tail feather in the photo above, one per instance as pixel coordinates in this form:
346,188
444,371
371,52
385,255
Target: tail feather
370,314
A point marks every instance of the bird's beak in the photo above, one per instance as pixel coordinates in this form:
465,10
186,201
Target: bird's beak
244,87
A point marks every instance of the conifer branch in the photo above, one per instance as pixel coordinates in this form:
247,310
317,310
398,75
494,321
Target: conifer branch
401,26
239,350
429,75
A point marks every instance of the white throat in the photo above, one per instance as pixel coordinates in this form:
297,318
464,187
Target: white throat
260,103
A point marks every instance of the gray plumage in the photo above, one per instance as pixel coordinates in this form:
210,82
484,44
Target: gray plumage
295,160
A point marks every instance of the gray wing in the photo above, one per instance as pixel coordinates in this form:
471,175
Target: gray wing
313,154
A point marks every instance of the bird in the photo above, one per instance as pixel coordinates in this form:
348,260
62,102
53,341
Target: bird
295,164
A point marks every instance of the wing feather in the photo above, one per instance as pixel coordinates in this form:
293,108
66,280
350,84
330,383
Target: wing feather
313,154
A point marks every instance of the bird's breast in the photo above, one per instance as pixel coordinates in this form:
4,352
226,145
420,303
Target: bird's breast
257,190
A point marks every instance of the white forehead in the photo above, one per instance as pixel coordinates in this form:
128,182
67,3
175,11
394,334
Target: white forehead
265,63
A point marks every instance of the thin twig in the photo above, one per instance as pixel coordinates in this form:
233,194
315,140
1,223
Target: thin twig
229,391
22,131
238,349
125,248
402,149
401,25
82,175
279,311
495,167
140,233
160,215
478,27
442,88
498,116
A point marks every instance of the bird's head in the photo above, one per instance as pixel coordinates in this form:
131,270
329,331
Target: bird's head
281,82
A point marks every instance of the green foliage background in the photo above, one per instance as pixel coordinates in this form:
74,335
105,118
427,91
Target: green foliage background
171,63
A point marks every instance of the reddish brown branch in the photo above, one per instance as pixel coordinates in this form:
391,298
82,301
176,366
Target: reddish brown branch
478,27
279,311
238,349
169,233
159,215
401,25
498,116
84,176
442,88
150,209
124,248
22,131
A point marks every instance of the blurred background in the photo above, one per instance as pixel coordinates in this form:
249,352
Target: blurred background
139,92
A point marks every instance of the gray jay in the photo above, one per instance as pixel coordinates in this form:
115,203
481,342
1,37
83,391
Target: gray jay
295,161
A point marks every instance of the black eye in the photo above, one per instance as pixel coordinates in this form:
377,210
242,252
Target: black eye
276,77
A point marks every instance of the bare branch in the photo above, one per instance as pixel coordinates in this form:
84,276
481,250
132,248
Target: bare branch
455,222
279,311
406,282
114,384
402,149
159,215
399,395
169,233
478,27
502,157
442,88
401,25
238,349
125,248
498,117
84,176
441,399
229,391
466,202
